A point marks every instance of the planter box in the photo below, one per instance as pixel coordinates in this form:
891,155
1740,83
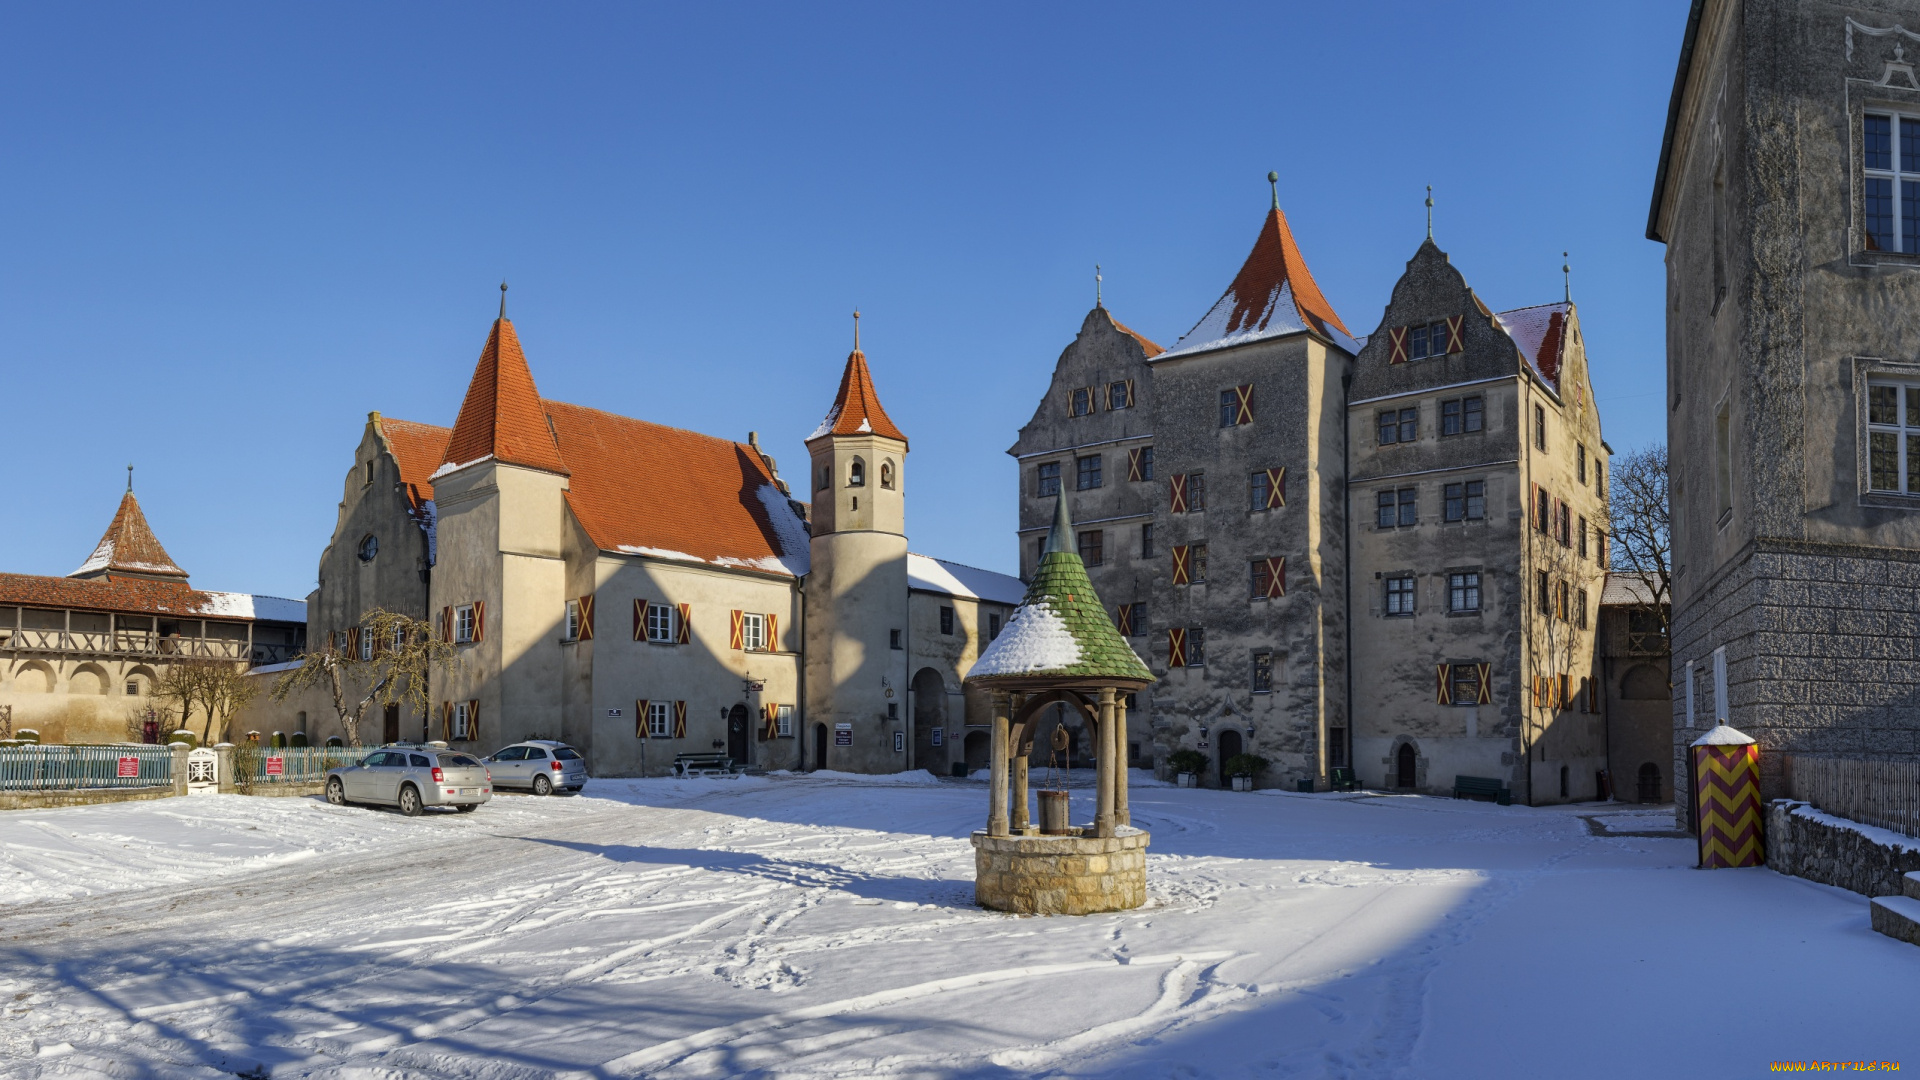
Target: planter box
1187,779
1243,783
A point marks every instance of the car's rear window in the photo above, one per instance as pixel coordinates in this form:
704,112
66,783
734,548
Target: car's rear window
458,761
567,753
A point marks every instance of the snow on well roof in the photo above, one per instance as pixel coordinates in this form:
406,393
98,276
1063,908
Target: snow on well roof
1274,294
1538,331
959,579
1061,628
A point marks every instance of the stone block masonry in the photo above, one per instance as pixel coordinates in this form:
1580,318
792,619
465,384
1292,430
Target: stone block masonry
1806,843
1060,875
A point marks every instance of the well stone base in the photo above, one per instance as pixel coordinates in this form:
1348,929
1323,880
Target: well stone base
1060,875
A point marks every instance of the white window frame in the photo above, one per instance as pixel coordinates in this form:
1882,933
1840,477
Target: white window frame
665,619
463,624
783,722
659,719
1463,588
1397,602
366,643
573,620
1901,174
461,720
1906,436
753,631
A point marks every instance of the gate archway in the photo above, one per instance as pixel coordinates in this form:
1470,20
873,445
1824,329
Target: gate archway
929,715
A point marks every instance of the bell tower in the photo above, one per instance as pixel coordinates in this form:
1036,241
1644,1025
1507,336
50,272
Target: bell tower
856,590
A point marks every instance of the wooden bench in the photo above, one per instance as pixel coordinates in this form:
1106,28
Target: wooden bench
702,765
1476,787
1342,779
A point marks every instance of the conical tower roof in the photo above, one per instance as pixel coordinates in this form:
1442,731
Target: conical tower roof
129,548
1273,294
856,408
1060,630
502,416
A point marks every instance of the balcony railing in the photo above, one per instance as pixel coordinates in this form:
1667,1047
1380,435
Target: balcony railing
144,643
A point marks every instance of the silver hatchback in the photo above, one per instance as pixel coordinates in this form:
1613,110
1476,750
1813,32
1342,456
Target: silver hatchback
412,777
541,766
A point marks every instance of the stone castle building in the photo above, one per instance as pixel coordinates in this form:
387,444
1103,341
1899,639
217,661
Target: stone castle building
643,591
1381,553
1785,196
80,655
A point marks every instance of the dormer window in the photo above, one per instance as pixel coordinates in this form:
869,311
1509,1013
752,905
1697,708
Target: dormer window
886,475
857,473
369,547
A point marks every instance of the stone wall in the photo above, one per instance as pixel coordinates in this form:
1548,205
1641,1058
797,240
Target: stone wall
1060,875
1833,851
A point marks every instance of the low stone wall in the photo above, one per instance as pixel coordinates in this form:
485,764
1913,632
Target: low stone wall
36,800
1060,875
315,787
1806,843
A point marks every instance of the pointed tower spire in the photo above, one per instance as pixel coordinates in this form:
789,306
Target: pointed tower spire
129,548
1098,300
1060,537
503,299
856,408
1566,273
1429,211
1273,179
502,417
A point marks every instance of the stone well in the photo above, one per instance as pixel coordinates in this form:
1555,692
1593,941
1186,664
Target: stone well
1061,875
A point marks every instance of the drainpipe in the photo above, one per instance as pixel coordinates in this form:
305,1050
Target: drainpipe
1346,529
1527,575
800,679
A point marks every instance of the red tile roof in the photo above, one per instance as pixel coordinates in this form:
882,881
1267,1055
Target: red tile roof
129,547
856,408
1152,350
650,489
418,449
134,595
1274,293
501,416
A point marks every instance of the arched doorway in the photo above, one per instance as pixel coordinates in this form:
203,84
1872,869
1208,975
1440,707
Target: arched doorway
737,734
1229,748
819,746
1563,783
979,746
1649,782
929,716
1404,763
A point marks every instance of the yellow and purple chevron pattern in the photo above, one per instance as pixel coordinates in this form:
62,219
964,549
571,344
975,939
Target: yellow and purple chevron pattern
1726,783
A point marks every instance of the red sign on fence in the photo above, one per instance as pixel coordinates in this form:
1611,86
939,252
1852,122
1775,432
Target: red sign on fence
129,768
276,766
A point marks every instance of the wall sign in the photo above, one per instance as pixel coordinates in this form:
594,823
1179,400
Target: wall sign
938,734
129,768
899,742
614,712
276,766
843,734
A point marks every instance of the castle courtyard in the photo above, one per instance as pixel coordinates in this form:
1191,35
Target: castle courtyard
824,925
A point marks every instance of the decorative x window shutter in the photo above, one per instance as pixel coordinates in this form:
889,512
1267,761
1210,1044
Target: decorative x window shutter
353,641
1133,464
446,720
446,624
1243,404
1442,692
735,635
1397,345
586,618
1180,564
1485,672
1457,334
1177,485
1176,647
639,619
772,644
1093,399
473,721
1276,488
479,620
1533,505
1129,393
1276,577
686,625
1539,693
1565,697
679,719
1123,620
1109,394
640,730
769,721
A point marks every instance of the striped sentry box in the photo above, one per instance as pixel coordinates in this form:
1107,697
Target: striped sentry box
1726,786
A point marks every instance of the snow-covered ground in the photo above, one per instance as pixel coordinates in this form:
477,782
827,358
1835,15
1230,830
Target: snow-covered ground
824,926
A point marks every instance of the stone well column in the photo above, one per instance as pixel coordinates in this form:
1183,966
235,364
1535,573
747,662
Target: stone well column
1103,772
1121,815
997,785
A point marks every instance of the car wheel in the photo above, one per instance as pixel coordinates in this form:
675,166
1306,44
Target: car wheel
542,786
410,803
468,808
336,792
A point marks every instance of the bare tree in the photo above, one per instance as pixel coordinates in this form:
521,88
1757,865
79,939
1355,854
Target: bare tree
1562,612
228,690
398,663
1640,523
189,685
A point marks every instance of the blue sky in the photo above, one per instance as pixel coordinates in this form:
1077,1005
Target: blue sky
232,231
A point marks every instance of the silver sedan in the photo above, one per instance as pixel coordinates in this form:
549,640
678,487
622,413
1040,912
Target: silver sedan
541,766
412,778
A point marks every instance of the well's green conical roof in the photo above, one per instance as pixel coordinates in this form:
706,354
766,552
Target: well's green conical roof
1061,628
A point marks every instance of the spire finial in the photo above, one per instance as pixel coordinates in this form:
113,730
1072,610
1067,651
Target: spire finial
1273,178
503,299
856,329
129,478
1566,270
1098,301
1429,211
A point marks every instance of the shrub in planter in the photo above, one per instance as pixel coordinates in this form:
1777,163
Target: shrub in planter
1192,762
299,739
183,736
1247,765
27,735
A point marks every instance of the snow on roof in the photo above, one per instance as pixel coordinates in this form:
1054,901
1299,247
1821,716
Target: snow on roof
1537,331
958,579
1034,640
253,606
1273,295
1723,735
856,408
129,545
1626,588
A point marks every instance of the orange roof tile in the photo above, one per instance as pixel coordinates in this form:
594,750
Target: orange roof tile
418,449
1274,293
856,408
135,595
129,547
501,416
1152,350
649,489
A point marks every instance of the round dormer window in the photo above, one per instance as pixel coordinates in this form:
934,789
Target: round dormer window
369,547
